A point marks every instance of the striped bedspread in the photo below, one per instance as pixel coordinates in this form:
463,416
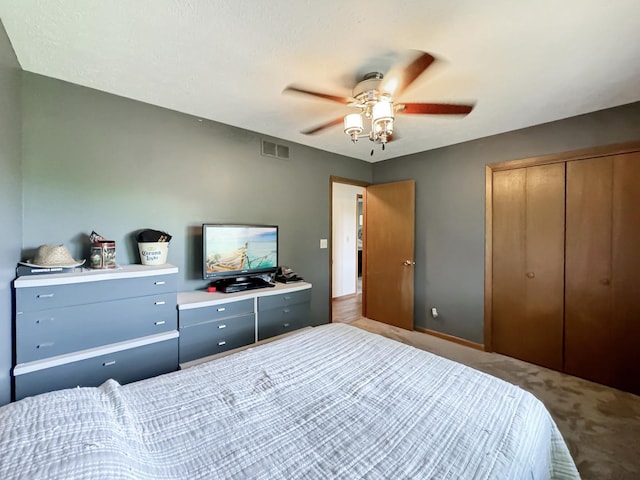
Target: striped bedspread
328,402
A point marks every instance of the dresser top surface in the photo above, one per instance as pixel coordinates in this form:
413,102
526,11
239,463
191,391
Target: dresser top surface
200,298
90,275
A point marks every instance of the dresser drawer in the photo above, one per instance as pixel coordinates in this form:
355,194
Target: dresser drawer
46,333
277,321
284,299
193,316
55,296
209,338
124,366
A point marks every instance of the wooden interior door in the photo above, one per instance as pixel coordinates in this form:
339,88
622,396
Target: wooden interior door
528,264
602,312
389,254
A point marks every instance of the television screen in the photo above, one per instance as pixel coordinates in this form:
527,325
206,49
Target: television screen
239,250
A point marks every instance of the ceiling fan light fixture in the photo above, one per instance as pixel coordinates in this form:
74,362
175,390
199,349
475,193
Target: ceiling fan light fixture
353,125
382,112
382,118
376,95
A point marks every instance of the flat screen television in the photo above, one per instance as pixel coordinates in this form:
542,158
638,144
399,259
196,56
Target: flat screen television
238,250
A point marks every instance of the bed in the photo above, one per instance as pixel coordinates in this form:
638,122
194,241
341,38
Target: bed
327,402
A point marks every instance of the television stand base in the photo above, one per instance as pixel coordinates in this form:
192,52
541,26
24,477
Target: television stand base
233,285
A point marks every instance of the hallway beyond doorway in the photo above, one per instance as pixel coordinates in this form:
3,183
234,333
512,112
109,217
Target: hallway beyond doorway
347,309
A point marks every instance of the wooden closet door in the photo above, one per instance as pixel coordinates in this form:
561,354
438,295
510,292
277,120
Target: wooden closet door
528,264
590,340
602,317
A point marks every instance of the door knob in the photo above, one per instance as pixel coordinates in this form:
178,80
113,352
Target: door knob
407,263
605,281
531,274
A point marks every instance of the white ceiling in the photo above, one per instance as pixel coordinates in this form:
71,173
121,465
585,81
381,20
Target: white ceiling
523,63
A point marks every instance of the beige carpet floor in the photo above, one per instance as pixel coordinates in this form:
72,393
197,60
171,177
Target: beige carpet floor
601,425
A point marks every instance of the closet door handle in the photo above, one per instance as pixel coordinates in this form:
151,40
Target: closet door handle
531,275
605,281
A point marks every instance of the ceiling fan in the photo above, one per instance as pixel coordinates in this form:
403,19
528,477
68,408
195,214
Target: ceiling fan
375,96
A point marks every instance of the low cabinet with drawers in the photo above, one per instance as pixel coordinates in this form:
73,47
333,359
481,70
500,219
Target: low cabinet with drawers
213,323
278,314
80,329
216,328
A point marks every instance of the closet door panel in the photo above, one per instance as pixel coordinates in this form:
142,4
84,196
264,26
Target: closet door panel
528,264
590,339
626,266
508,260
545,263
602,312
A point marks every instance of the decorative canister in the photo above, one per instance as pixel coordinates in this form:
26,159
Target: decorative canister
153,253
103,254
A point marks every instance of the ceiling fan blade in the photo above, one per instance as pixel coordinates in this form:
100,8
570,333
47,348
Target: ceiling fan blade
311,131
434,108
326,96
400,76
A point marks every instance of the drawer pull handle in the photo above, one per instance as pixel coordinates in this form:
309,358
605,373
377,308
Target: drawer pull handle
286,310
287,298
161,302
46,295
42,320
106,364
160,282
222,326
221,309
285,325
162,322
222,342
45,345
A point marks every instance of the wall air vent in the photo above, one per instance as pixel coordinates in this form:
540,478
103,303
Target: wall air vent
282,151
271,149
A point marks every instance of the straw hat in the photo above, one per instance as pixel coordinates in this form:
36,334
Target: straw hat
53,256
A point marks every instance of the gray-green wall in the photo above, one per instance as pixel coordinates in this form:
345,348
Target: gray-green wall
10,200
450,191
89,160
95,161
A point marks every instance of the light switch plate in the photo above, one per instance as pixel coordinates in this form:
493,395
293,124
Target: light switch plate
323,243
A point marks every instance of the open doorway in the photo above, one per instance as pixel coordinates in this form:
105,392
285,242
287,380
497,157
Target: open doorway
388,216
346,250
